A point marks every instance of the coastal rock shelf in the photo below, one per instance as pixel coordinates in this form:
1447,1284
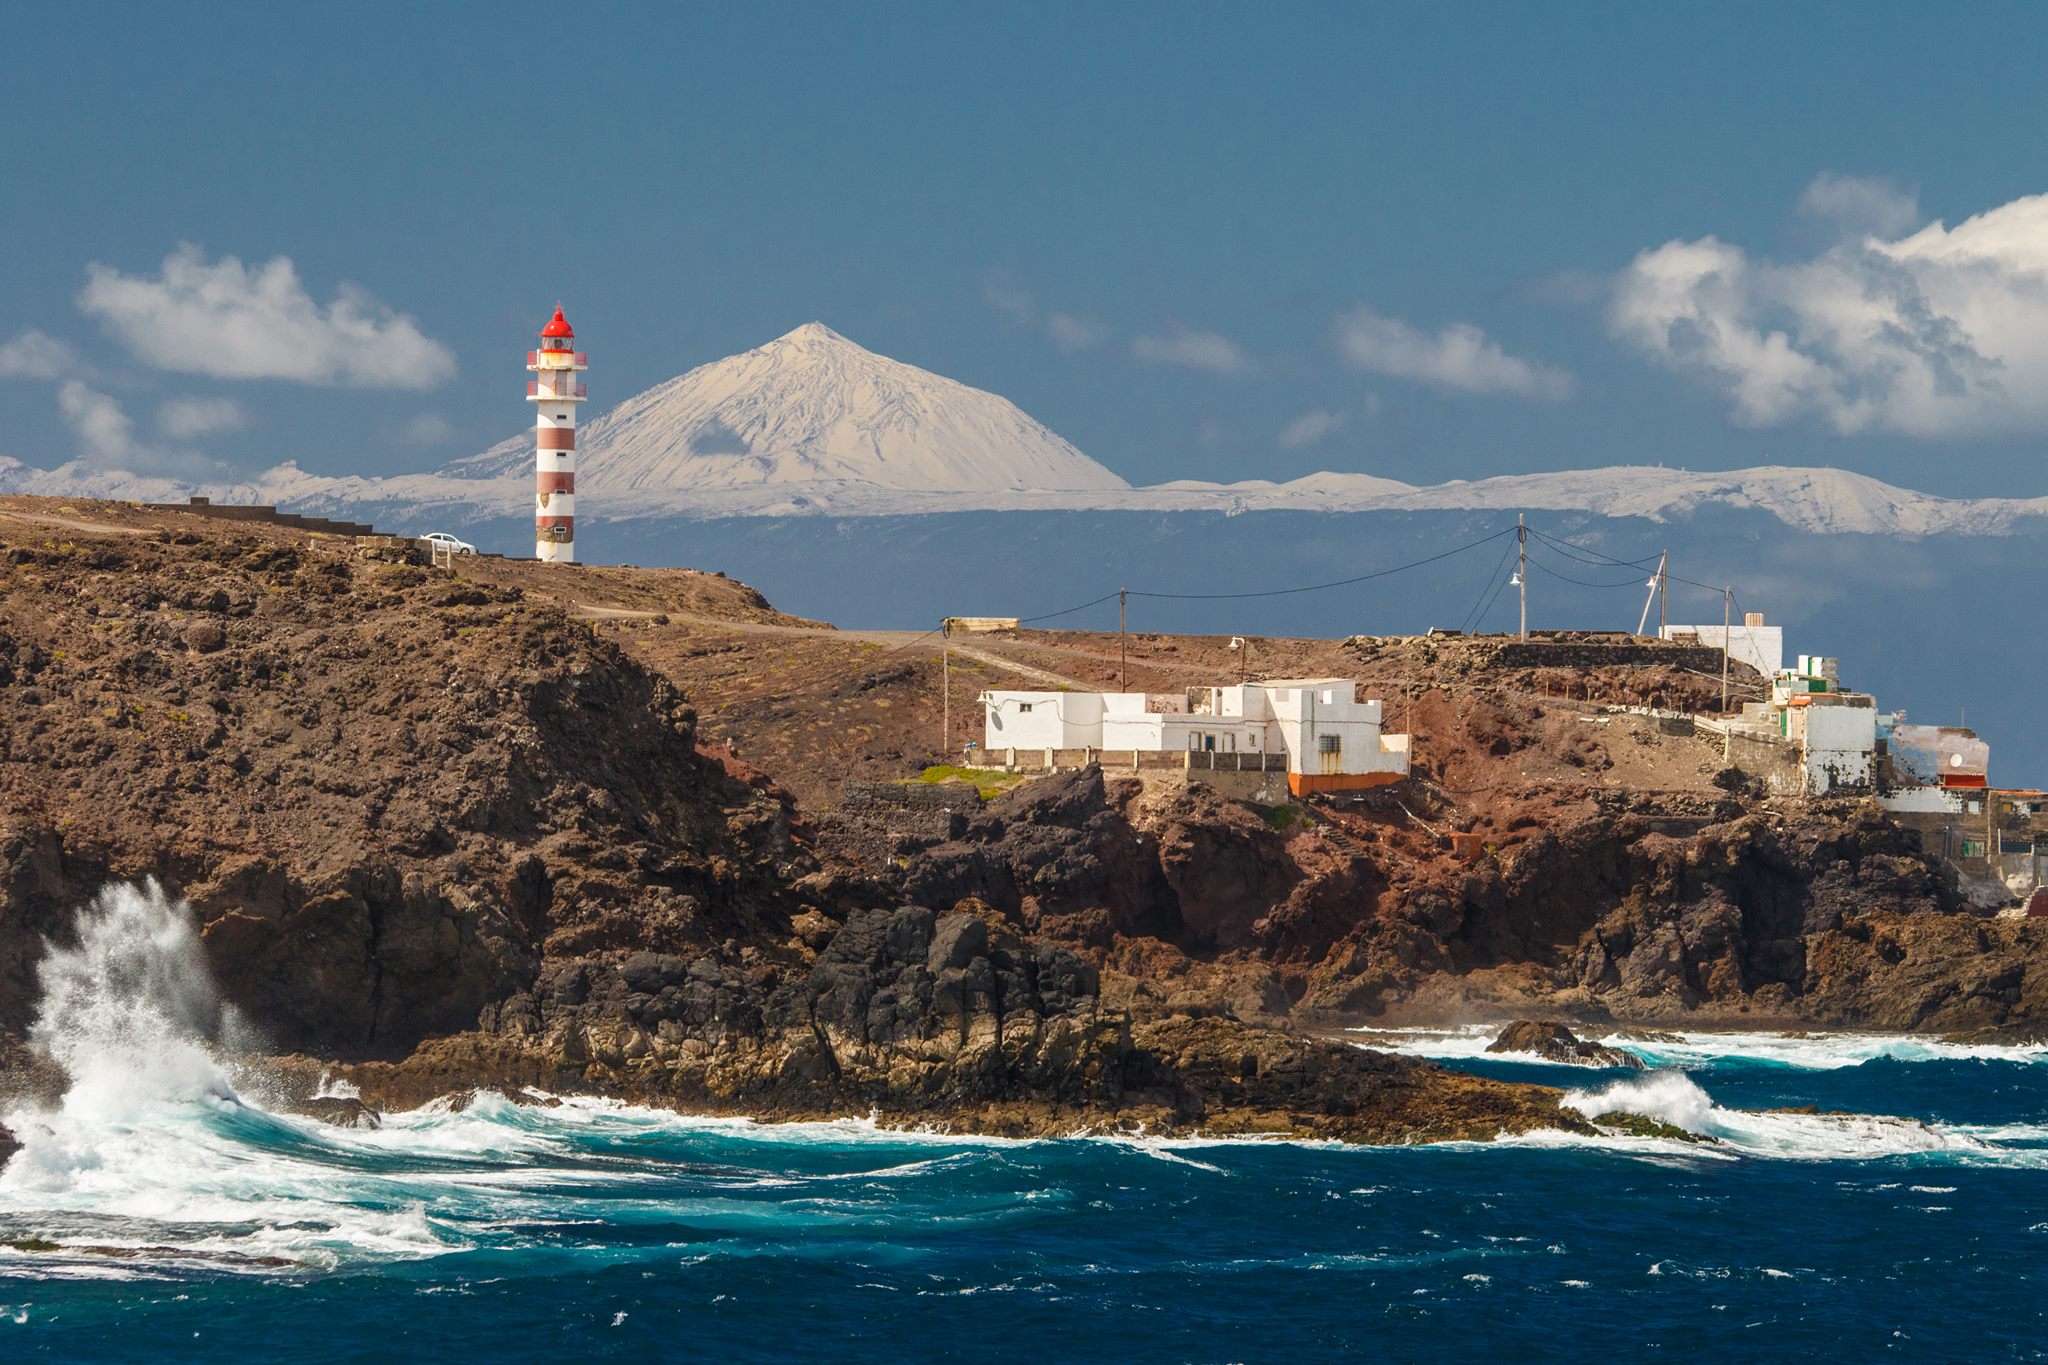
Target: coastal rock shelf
448,831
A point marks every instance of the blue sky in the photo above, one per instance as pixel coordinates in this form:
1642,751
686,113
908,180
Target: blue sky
1215,241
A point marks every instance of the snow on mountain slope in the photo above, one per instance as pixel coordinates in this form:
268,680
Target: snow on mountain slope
1824,501
812,424
811,409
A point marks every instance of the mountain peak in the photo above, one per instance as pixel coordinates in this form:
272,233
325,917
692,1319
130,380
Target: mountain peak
812,331
803,419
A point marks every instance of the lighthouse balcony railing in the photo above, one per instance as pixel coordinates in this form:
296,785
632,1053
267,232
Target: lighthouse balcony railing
534,390
557,360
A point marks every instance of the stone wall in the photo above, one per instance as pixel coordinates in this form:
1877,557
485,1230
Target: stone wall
268,515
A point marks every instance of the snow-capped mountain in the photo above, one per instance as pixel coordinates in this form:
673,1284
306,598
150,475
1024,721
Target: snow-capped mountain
812,423
808,413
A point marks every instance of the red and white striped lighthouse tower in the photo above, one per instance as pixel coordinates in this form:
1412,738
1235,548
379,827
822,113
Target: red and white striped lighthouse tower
554,392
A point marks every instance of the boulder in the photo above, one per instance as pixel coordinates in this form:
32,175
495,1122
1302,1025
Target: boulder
342,1111
1556,1043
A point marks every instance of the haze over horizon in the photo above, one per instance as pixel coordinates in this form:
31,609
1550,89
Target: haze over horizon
1386,242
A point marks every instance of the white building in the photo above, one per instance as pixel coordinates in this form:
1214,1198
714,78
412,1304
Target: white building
1811,737
1329,740
1760,646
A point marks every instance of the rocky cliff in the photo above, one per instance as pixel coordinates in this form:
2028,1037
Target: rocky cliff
1734,911
438,833
441,831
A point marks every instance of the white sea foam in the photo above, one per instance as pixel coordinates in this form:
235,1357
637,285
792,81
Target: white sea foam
1674,1098
1805,1051
130,1013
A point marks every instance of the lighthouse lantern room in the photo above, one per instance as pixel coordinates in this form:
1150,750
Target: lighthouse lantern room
554,392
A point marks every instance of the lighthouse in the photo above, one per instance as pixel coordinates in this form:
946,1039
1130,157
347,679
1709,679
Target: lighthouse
554,392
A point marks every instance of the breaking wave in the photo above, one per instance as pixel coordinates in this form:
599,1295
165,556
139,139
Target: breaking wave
162,1158
1707,1049
1673,1098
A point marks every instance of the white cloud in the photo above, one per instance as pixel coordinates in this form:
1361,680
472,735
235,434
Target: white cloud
427,429
38,355
1007,298
1070,333
234,322
1064,330
1310,428
1460,357
1943,332
1860,204
106,435
1194,349
183,418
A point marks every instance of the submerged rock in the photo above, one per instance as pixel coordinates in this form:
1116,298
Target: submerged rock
147,1253
1556,1043
1625,1124
343,1111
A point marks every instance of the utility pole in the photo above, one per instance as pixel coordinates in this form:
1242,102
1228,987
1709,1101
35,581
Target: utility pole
946,690
1522,566
1727,624
1123,660
1655,594
1663,592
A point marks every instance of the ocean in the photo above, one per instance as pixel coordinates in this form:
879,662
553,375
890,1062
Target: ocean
1907,1219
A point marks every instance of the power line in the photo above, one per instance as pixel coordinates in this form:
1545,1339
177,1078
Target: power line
1317,587
1027,620
1559,545
1565,548
1498,588
1470,620
1583,582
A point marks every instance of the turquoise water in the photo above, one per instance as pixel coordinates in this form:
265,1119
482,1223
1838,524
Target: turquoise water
529,1233
1913,1225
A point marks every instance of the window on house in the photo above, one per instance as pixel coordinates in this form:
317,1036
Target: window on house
1329,744
1023,708
1973,848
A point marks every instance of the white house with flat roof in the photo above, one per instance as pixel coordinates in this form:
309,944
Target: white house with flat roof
1330,740
1751,642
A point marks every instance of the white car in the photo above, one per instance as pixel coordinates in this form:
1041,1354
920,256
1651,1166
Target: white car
441,540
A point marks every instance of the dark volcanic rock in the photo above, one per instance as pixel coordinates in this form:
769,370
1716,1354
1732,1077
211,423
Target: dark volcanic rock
341,1111
1066,855
390,800
1556,1043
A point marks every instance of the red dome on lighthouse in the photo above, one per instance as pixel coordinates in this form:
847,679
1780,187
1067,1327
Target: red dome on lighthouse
558,326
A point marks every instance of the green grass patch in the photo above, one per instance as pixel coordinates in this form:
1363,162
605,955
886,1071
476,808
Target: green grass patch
991,783
1284,816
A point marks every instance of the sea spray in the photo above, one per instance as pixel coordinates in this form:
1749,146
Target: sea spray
1674,1098
130,1013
